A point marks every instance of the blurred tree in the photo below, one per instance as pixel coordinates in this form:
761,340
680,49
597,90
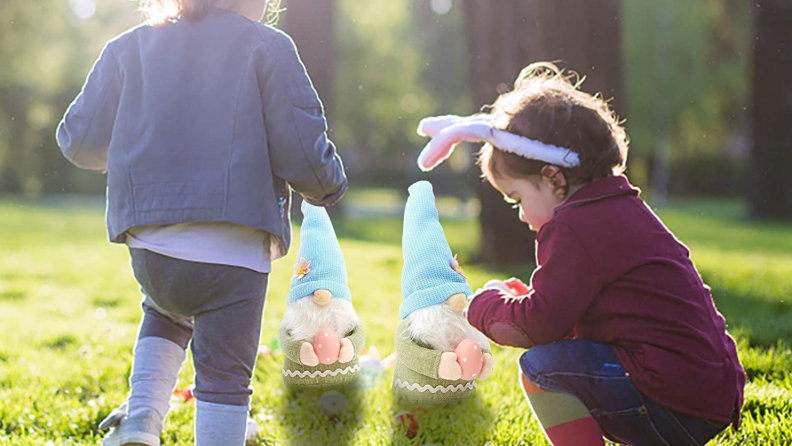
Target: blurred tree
311,24
771,193
441,27
48,47
686,68
381,95
506,36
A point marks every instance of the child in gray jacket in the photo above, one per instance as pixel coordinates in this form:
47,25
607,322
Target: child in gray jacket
203,119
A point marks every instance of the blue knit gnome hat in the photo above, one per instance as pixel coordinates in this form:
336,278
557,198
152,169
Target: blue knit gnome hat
431,273
321,264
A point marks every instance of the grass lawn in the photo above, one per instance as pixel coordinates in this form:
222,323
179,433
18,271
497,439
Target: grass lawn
69,309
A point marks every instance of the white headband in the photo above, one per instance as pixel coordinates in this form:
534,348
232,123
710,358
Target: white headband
448,131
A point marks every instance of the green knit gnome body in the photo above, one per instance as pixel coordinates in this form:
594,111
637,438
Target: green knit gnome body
295,373
415,377
431,276
321,268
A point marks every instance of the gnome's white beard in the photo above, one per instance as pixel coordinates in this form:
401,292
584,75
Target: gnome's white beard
442,328
304,318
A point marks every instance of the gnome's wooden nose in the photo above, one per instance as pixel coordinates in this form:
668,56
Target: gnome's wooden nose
458,302
322,297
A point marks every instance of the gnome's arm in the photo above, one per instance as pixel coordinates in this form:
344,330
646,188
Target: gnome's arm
419,359
358,338
352,344
289,346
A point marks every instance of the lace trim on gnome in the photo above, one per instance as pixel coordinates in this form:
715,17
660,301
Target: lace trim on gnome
434,389
302,268
322,373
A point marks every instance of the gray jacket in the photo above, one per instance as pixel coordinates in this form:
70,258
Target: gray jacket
204,121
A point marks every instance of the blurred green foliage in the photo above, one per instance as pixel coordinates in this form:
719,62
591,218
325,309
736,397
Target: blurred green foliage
47,49
686,71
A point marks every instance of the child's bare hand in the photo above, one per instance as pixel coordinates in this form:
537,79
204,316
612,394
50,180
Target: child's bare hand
449,367
517,287
307,355
494,284
512,287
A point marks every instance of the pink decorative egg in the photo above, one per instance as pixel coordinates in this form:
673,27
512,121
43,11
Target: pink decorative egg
469,358
327,346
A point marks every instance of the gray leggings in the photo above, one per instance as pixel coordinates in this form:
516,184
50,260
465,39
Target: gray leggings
218,307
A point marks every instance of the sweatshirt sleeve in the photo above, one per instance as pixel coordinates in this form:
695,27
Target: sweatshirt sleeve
415,357
562,288
300,151
86,129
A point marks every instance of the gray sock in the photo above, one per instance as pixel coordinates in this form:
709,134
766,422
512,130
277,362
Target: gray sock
220,424
155,370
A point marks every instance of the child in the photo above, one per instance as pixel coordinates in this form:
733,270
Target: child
623,338
202,118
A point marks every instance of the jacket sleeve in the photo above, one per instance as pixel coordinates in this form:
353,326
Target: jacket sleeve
86,129
300,151
562,288
415,357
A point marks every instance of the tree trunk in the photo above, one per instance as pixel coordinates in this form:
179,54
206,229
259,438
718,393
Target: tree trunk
507,35
311,23
11,162
771,191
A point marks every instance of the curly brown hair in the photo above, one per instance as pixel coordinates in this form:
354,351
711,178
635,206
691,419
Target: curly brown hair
547,106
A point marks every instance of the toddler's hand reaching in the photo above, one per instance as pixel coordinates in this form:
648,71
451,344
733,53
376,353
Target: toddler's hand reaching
517,287
514,287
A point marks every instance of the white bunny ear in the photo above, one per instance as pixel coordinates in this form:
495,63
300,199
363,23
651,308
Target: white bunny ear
433,125
448,131
445,141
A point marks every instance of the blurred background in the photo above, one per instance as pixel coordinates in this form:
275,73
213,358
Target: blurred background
701,84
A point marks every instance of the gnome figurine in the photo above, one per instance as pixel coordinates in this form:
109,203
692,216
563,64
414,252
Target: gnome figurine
320,334
439,356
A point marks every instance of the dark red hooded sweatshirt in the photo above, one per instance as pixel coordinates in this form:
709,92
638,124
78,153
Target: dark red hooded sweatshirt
609,271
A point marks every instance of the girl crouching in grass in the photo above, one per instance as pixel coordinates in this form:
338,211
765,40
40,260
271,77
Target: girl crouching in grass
623,338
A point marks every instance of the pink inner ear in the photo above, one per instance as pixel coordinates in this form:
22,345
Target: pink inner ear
441,146
433,154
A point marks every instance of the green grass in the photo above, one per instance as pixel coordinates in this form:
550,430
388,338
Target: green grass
70,310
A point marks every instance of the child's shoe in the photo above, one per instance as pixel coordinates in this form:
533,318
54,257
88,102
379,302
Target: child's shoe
155,370
139,429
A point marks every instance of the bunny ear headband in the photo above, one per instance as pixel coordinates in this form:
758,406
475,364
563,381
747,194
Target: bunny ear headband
448,131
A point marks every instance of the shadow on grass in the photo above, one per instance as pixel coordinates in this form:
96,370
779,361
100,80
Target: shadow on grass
465,422
329,417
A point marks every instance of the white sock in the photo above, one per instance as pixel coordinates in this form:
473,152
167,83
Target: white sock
155,370
220,424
